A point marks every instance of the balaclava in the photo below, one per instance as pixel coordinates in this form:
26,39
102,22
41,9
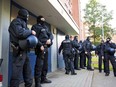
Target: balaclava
108,40
76,38
39,20
67,37
23,14
88,38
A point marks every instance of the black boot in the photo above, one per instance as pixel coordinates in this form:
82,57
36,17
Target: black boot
107,74
83,67
67,72
38,85
73,72
37,82
90,69
45,80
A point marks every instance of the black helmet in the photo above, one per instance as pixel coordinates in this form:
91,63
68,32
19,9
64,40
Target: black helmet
67,37
23,13
108,39
88,38
111,51
30,42
75,37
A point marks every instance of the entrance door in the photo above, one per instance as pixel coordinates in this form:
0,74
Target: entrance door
60,38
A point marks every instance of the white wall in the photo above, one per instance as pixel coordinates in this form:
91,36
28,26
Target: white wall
54,51
4,38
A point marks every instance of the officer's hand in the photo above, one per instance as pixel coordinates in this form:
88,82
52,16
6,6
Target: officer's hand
33,32
48,41
85,52
102,57
42,48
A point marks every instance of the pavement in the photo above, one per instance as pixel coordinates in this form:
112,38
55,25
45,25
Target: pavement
60,79
84,78
100,80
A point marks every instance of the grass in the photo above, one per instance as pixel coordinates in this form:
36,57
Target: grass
95,63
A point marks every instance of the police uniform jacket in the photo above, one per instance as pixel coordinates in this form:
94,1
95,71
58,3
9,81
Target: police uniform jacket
18,31
87,46
109,45
42,33
67,46
100,49
75,42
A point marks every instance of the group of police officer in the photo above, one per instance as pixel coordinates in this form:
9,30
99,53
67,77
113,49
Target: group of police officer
105,52
21,36
22,39
73,50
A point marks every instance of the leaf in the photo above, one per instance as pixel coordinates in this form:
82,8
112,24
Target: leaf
96,16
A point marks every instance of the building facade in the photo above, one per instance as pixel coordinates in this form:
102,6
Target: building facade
62,17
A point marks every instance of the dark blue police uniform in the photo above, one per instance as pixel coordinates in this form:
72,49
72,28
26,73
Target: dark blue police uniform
100,52
109,55
88,48
67,47
20,62
41,66
76,54
82,55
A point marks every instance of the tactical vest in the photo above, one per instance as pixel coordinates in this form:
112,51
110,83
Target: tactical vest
67,45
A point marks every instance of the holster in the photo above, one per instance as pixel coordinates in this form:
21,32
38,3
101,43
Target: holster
16,50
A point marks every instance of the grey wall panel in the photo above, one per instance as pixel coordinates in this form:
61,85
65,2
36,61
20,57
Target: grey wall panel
4,38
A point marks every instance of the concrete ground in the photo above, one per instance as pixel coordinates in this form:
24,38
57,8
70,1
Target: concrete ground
84,78
60,79
100,80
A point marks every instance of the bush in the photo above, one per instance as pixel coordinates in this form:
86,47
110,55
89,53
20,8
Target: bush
95,63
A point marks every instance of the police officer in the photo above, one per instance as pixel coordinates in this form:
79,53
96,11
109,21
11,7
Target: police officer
67,46
76,53
87,49
109,51
81,54
100,52
20,62
45,38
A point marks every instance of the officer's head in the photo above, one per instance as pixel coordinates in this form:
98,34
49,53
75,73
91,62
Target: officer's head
67,37
88,38
102,41
76,38
108,39
23,14
30,42
40,19
80,41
